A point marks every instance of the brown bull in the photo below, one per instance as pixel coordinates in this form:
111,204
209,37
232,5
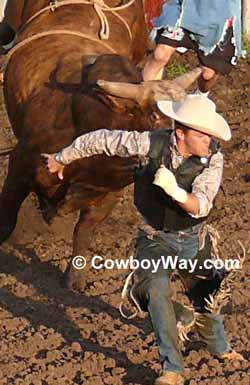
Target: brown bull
52,96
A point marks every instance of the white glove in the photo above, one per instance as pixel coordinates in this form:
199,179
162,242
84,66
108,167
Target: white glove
165,179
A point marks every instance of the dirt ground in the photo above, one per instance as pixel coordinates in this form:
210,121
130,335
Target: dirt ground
51,336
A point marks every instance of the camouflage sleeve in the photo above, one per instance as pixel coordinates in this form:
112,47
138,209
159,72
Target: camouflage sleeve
207,184
111,143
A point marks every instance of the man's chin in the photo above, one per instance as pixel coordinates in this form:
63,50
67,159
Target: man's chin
204,154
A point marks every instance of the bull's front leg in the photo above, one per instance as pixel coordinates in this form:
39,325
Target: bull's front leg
15,189
83,236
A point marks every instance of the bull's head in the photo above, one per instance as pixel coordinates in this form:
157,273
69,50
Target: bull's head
122,100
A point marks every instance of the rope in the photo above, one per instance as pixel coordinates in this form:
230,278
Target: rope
57,32
125,295
99,6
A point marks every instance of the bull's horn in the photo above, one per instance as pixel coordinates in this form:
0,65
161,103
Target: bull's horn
122,90
186,80
151,91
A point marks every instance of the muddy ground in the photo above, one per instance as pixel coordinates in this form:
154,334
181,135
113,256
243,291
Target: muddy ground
51,336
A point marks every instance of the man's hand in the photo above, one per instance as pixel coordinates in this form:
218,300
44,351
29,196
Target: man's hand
165,179
54,166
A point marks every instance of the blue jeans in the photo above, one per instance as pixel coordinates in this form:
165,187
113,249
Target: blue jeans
154,295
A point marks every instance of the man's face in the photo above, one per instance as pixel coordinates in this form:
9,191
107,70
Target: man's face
193,142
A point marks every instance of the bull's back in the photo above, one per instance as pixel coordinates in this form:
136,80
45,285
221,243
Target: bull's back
43,74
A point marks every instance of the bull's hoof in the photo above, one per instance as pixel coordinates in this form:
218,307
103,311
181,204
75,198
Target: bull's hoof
74,279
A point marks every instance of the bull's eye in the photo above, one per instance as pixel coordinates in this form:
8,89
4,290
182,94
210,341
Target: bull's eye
155,116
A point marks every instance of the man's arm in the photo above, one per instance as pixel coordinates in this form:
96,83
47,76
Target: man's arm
206,186
204,189
111,143
192,205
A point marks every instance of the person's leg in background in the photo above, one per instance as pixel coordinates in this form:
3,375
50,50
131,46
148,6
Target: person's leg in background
219,62
156,62
167,43
207,80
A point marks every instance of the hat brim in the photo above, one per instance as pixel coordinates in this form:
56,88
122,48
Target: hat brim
220,129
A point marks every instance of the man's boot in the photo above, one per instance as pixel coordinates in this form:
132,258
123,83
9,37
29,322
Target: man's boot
170,378
7,34
231,355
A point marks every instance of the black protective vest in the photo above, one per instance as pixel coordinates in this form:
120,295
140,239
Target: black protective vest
159,210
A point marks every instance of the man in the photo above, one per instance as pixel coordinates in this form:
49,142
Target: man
175,188
211,28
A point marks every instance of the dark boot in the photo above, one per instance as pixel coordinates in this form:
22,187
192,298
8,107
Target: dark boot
7,34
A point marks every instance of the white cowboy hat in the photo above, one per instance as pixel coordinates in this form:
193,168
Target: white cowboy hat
197,112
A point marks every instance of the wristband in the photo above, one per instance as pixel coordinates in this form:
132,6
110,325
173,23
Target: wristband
58,158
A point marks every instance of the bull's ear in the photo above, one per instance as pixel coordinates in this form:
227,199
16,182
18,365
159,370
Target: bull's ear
117,105
187,79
